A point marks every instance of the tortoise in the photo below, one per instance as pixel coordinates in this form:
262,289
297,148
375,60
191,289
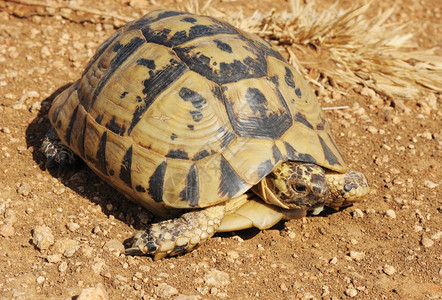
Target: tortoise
203,124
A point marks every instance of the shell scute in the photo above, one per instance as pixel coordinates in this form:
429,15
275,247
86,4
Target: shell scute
256,109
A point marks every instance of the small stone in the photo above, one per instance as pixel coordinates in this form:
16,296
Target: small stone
233,254
372,129
45,52
427,135
308,296
429,184
7,230
114,245
96,230
351,292
55,258
164,290
418,228
24,189
426,242
62,245
40,279
71,251
5,129
214,291
42,237
358,213
216,278
98,265
94,293
237,238
87,250
10,217
390,213
325,291
357,256
72,226
62,267
283,287
436,236
334,260
370,211
389,270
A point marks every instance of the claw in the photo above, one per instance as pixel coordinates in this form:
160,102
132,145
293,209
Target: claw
62,161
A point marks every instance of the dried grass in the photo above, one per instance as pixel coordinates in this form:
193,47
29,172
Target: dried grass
344,47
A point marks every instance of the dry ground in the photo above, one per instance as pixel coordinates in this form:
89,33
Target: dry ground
386,247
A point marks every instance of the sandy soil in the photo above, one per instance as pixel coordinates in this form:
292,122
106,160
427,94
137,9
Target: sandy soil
386,247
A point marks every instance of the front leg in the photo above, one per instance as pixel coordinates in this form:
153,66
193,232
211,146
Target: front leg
180,235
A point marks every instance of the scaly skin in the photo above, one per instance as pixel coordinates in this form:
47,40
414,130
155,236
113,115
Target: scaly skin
345,189
180,235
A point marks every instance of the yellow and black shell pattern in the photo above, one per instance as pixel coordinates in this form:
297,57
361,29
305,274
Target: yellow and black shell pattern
177,110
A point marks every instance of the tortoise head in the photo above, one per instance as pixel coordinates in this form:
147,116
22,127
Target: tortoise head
294,185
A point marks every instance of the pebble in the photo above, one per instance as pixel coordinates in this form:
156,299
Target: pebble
389,270
87,250
7,230
325,291
114,245
357,256
42,237
216,278
417,228
71,251
370,211
232,254
427,242
40,279
62,267
358,213
436,236
351,292
429,184
334,260
214,291
54,258
372,129
94,293
62,245
390,213
72,226
164,290
283,287
98,265
10,217
24,189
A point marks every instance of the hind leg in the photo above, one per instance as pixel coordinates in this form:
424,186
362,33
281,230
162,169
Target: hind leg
56,152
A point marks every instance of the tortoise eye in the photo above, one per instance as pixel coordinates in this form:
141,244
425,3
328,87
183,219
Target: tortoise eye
300,188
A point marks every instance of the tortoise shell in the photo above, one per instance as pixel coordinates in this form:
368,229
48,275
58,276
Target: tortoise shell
177,110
